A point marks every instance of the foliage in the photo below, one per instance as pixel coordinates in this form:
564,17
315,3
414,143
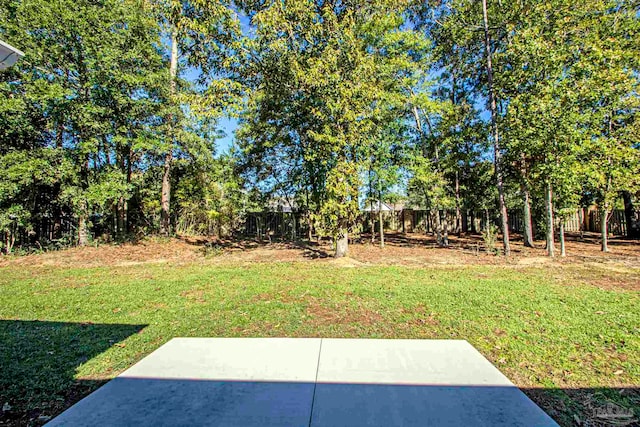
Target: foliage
83,122
565,78
114,112
341,208
325,77
209,201
490,237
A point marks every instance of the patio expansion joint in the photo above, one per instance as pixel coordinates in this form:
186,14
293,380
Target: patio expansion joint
315,383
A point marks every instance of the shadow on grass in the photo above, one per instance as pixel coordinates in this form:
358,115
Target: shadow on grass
213,246
38,362
595,407
466,241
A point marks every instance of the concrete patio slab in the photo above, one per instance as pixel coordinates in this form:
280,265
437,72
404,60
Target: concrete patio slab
178,402
239,359
421,362
308,382
208,381
415,383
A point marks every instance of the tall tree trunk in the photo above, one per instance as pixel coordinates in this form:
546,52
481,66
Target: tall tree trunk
83,215
259,227
7,248
165,225
57,209
445,230
293,229
119,207
342,243
308,216
486,216
604,213
83,228
633,225
372,223
496,140
604,219
584,215
381,222
371,214
426,223
435,214
458,229
472,221
121,218
57,216
563,250
526,212
548,202
127,224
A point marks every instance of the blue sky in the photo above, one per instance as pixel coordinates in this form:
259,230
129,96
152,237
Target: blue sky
228,126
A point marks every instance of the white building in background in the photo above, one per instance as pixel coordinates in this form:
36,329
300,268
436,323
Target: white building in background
8,55
376,206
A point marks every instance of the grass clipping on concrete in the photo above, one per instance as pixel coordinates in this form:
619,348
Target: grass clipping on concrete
571,346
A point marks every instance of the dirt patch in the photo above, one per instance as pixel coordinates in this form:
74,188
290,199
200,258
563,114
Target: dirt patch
609,275
346,262
144,252
353,313
612,284
619,269
536,260
195,295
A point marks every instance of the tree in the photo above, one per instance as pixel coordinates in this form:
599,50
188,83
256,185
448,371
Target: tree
89,76
324,76
468,38
497,151
541,118
202,34
607,81
383,174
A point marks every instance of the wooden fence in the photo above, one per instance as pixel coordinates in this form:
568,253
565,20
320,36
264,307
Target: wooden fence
264,225
581,220
415,220
294,225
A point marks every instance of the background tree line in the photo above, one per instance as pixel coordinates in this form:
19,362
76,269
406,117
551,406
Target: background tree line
109,124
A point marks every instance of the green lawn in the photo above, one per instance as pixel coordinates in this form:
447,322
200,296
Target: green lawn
62,331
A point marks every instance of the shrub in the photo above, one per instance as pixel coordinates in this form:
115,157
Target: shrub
490,236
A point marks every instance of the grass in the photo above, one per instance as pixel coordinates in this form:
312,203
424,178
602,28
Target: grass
64,331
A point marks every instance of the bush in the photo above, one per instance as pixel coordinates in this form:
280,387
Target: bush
211,249
490,236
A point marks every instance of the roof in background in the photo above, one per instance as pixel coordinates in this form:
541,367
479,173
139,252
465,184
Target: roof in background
375,207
